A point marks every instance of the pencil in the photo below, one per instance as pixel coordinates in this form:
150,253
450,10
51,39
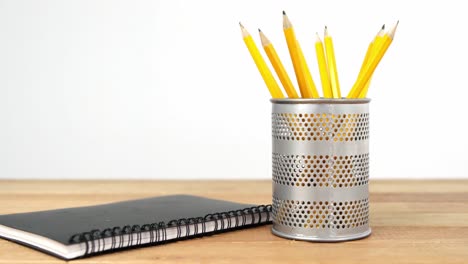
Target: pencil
374,61
370,51
323,68
297,58
375,46
267,76
331,62
307,76
278,65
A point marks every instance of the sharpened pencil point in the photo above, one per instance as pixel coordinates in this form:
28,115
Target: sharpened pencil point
284,13
383,26
259,30
240,24
317,37
391,32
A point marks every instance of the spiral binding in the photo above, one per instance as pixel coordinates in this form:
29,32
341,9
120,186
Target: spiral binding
95,240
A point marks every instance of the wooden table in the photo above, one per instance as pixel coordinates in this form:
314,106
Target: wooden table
412,221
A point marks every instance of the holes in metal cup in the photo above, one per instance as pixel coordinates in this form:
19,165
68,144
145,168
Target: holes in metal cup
321,214
321,170
320,126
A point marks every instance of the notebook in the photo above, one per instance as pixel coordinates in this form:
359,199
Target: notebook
83,231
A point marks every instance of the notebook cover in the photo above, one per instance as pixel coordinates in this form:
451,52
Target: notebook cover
61,224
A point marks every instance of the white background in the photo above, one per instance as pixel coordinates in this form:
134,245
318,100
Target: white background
167,89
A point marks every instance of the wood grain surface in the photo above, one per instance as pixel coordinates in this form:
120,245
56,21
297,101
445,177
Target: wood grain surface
412,222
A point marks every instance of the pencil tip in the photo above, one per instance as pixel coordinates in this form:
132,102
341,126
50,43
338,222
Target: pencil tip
259,30
284,13
240,24
383,26
392,31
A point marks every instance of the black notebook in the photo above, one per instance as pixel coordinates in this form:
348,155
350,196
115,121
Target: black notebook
82,231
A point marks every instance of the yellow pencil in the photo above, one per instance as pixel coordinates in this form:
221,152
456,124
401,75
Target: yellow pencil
370,51
371,48
305,69
374,61
297,58
331,62
323,68
278,66
376,44
267,76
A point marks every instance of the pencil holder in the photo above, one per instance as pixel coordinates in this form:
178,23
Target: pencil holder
320,169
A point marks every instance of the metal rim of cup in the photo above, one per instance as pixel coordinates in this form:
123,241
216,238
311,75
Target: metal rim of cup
319,101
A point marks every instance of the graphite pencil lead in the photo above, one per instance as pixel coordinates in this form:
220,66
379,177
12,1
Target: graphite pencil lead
383,27
240,24
286,22
381,32
259,30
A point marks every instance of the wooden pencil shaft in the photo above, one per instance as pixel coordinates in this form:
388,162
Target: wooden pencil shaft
331,61
323,69
265,72
278,66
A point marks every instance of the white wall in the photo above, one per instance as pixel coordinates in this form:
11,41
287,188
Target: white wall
167,89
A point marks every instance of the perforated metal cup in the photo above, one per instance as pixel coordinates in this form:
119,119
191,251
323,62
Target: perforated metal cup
320,169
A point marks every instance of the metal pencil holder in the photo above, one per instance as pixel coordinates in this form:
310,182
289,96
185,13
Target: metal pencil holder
320,169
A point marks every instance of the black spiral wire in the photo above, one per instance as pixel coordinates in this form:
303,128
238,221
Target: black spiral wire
96,240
